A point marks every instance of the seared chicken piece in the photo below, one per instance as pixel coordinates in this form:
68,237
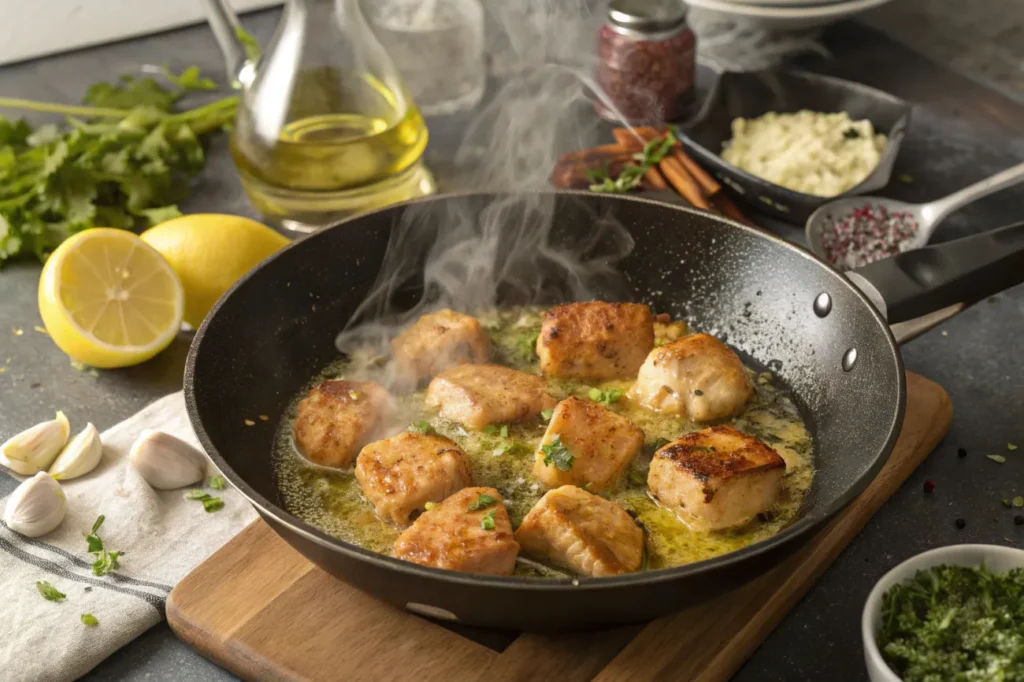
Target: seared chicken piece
478,395
586,445
697,376
468,532
401,474
338,418
582,532
595,341
436,342
717,478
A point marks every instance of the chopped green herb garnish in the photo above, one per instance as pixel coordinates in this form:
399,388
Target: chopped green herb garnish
195,494
212,504
503,432
698,392
905,178
546,415
606,398
555,453
1011,447
49,592
851,133
89,619
487,521
482,501
422,426
1006,503
955,623
429,505
1018,501
105,561
632,173
526,346
495,430
216,482
249,43
636,478
996,458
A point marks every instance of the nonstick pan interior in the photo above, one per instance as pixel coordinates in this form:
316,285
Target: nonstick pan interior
277,327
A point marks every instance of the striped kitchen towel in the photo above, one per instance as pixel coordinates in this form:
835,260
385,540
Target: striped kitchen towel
162,536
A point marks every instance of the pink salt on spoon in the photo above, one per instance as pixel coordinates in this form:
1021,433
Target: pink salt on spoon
851,232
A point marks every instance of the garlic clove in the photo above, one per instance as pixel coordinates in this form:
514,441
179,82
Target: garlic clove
35,449
80,456
36,507
166,462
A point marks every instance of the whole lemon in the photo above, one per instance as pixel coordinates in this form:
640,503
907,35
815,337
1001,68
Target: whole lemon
210,252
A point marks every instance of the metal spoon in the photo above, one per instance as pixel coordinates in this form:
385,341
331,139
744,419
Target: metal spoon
928,216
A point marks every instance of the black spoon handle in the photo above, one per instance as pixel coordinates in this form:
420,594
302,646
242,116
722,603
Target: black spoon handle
964,271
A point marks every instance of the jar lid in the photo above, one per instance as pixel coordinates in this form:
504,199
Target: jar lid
647,15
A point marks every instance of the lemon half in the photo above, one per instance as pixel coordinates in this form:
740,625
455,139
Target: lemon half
108,299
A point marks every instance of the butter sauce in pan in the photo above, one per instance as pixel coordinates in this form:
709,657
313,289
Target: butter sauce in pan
456,489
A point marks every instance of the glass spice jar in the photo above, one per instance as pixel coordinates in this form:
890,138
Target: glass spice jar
646,56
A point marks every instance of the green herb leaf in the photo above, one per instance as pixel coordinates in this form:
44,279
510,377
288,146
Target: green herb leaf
503,432
632,173
249,43
487,520
49,592
89,619
429,505
698,392
555,453
422,426
636,477
851,133
546,415
1011,447
905,178
195,494
481,502
1006,503
605,398
216,482
99,522
996,458
1018,501
212,504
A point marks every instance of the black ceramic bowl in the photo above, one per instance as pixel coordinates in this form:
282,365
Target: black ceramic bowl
749,95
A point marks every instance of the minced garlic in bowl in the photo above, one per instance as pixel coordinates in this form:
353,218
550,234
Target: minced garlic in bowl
809,151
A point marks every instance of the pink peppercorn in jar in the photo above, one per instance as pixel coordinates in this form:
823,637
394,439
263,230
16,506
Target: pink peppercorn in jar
646,61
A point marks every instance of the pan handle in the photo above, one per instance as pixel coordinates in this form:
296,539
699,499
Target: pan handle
933,278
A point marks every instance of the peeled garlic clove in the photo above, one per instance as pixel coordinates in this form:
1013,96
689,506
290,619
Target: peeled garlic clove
36,507
35,449
80,456
166,462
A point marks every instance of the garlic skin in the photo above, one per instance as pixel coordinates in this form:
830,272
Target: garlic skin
35,449
78,457
36,507
166,462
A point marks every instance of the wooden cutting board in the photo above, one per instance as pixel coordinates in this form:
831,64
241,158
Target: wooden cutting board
259,609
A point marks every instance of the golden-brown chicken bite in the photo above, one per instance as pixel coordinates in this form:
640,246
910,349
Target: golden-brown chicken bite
401,474
437,341
586,445
697,376
338,418
717,478
596,341
478,395
583,532
469,532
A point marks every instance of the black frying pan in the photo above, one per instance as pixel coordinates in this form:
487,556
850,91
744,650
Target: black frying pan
772,301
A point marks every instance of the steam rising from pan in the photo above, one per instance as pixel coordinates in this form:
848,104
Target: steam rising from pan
470,258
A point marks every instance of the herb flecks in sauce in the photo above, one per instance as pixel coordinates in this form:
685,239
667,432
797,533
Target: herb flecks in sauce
330,499
557,455
955,623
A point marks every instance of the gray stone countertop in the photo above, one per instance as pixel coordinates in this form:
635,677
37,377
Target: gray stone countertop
975,356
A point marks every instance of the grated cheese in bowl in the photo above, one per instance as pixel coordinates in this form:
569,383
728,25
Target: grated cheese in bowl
809,151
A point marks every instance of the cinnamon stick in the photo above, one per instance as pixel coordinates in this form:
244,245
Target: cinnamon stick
703,178
654,177
601,152
683,182
730,209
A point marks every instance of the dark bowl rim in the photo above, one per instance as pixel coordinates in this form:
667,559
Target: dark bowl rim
791,533
791,195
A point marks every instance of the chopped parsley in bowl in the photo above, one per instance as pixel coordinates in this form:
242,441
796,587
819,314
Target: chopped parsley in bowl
955,613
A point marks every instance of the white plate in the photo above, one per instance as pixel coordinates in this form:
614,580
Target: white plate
996,558
785,18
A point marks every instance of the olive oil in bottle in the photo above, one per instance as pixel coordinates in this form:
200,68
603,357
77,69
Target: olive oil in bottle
325,127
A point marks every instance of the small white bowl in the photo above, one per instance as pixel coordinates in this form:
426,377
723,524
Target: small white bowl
996,558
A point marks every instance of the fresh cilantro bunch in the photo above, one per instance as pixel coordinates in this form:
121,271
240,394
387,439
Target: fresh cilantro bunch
125,159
